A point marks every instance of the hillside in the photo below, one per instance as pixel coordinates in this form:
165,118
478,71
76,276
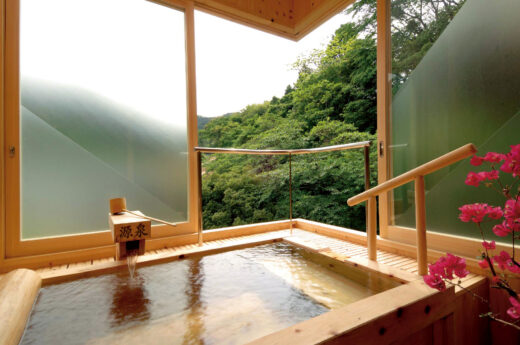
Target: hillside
202,121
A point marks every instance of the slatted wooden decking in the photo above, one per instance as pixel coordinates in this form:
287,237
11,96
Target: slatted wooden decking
399,266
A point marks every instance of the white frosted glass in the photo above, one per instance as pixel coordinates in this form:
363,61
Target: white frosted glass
103,113
465,89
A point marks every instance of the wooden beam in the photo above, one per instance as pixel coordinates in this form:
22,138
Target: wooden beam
12,124
18,290
311,14
241,15
191,104
384,98
2,135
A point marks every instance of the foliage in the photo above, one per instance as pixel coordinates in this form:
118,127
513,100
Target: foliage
505,223
416,25
332,102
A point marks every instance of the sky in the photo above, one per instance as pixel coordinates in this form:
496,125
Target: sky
136,57
238,65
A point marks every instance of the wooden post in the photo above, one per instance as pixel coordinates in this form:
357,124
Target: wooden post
199,208
420,224
384,101
372,228
366,154
191,104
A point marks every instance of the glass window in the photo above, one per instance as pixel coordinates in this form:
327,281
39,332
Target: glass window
455,80
103,113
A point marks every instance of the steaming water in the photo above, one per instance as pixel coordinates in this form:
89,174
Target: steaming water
226,298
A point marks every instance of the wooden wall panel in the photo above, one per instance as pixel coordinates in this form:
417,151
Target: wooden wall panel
291,19
279,11
273,16
470,328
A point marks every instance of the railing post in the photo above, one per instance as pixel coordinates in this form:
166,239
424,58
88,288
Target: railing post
290,193
372,228
420,224
199,220
367,167
366,152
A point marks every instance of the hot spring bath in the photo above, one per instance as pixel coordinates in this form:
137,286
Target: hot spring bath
226,298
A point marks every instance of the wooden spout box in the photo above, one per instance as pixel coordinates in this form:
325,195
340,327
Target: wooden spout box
126,227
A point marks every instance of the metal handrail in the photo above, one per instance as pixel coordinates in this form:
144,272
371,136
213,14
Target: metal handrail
416,175
343,147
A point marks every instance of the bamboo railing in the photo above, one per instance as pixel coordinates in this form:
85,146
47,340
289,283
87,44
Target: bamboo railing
416,175
365,145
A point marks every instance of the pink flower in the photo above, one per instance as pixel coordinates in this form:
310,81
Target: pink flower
489,245
512,161
505,262
512,212
493,157
502,259
513,267
473,179
501,230
473,212
492,175
476,160
514,311
494,212
455,264
495,280
437,268
434,281
483,264
447,265
488,175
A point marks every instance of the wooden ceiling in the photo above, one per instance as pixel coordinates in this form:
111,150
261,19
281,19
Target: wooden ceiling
292,19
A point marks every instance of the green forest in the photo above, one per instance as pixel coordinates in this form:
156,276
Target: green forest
333,101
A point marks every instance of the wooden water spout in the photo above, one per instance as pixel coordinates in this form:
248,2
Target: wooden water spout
130,229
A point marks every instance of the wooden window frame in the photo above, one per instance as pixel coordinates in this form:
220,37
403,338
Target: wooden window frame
11,244
466,246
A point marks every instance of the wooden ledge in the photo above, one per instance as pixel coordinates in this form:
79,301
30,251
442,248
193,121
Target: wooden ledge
82,270
379,319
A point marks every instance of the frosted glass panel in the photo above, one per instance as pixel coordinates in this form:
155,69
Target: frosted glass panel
463,88
103,113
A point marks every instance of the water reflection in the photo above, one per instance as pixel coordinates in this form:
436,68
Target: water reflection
129,300
195,327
